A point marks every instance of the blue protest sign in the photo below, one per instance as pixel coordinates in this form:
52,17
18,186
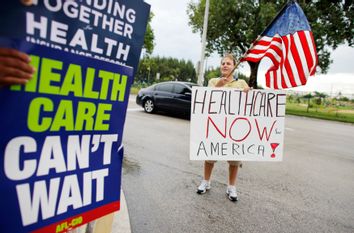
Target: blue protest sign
108,30
61,134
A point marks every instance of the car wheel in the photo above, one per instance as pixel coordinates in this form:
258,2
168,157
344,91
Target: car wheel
149,106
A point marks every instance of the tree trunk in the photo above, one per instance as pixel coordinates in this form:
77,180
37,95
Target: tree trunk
253,76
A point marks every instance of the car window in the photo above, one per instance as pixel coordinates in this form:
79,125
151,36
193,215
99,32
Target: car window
180,89
167,87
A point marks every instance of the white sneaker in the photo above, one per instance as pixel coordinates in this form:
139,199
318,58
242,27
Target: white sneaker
231,193
203,187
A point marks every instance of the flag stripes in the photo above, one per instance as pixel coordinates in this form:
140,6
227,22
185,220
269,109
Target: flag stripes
293,56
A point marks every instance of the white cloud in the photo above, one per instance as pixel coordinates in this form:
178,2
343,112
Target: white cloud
173,36
331,84
343,58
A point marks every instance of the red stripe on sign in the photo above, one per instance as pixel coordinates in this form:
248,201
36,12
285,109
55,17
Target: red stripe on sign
79,220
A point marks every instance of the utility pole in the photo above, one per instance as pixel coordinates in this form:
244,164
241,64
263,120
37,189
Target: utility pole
205,29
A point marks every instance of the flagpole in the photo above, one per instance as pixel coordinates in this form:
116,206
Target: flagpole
205,28
259,36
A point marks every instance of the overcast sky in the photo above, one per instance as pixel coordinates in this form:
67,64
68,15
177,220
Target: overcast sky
174,38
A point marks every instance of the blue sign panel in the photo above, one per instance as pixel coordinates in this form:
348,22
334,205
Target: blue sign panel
61,133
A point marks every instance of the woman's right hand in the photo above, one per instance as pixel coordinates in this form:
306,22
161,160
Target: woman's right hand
14,67
246,89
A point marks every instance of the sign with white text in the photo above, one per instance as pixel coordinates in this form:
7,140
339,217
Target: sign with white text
61,133
109,30
230,124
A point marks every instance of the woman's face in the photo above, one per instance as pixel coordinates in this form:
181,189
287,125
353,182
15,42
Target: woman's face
227,65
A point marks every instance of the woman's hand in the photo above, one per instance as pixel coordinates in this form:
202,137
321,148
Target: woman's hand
14,67
223,81
246,89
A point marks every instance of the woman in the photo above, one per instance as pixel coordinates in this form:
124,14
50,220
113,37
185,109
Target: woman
227,67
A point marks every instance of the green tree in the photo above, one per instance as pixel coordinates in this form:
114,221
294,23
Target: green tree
168,68
320,97
211,73
234,24
149,37
308,97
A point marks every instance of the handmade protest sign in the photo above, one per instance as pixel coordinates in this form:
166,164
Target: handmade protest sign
230,124
61,134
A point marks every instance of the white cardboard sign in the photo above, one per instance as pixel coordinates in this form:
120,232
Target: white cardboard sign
229,124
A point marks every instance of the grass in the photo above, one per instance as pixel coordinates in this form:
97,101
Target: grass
134,90
342,114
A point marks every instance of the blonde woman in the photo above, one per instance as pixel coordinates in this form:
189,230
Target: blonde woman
227,67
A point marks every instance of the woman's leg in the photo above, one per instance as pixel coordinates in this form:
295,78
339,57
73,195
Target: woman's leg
233,170
208,168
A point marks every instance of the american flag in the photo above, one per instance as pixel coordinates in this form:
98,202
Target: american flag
289,43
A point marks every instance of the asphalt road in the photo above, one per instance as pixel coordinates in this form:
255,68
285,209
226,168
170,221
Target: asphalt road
311,190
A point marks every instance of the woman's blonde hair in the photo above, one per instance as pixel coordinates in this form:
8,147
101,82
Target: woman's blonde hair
230,56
